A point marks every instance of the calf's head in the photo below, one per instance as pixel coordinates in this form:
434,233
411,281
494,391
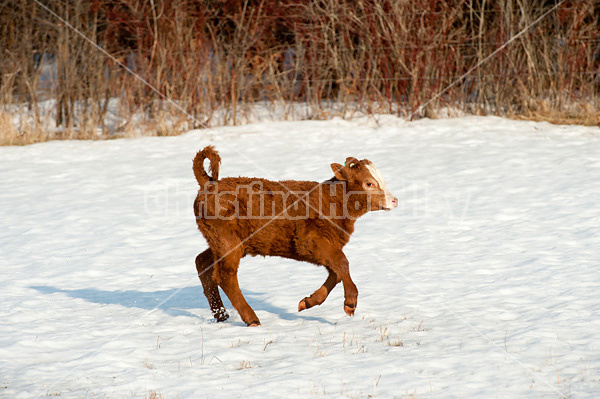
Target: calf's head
363,178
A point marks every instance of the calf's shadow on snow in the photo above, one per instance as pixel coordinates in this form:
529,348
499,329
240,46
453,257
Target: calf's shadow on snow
174,302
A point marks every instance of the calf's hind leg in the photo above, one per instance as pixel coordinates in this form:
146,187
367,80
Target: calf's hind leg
205,268
227,278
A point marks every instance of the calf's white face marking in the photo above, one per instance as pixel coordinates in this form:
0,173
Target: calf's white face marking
390,201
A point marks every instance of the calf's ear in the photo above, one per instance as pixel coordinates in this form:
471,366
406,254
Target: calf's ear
351,162
339,171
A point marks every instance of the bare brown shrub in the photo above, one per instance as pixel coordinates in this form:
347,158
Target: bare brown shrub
206,63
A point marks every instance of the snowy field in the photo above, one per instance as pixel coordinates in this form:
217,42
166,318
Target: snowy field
484,283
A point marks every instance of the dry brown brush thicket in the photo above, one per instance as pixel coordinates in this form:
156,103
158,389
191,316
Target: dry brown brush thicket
216,59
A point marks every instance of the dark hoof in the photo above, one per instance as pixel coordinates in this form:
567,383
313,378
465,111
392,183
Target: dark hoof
221,315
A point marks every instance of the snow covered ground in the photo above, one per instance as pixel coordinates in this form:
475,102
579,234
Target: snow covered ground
484,283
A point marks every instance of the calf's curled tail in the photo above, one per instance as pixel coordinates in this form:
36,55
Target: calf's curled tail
212,155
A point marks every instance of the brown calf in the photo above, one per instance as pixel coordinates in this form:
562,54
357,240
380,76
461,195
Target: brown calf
302,220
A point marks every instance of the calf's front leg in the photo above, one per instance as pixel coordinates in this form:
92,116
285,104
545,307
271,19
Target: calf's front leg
319,296
335,260
350,290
